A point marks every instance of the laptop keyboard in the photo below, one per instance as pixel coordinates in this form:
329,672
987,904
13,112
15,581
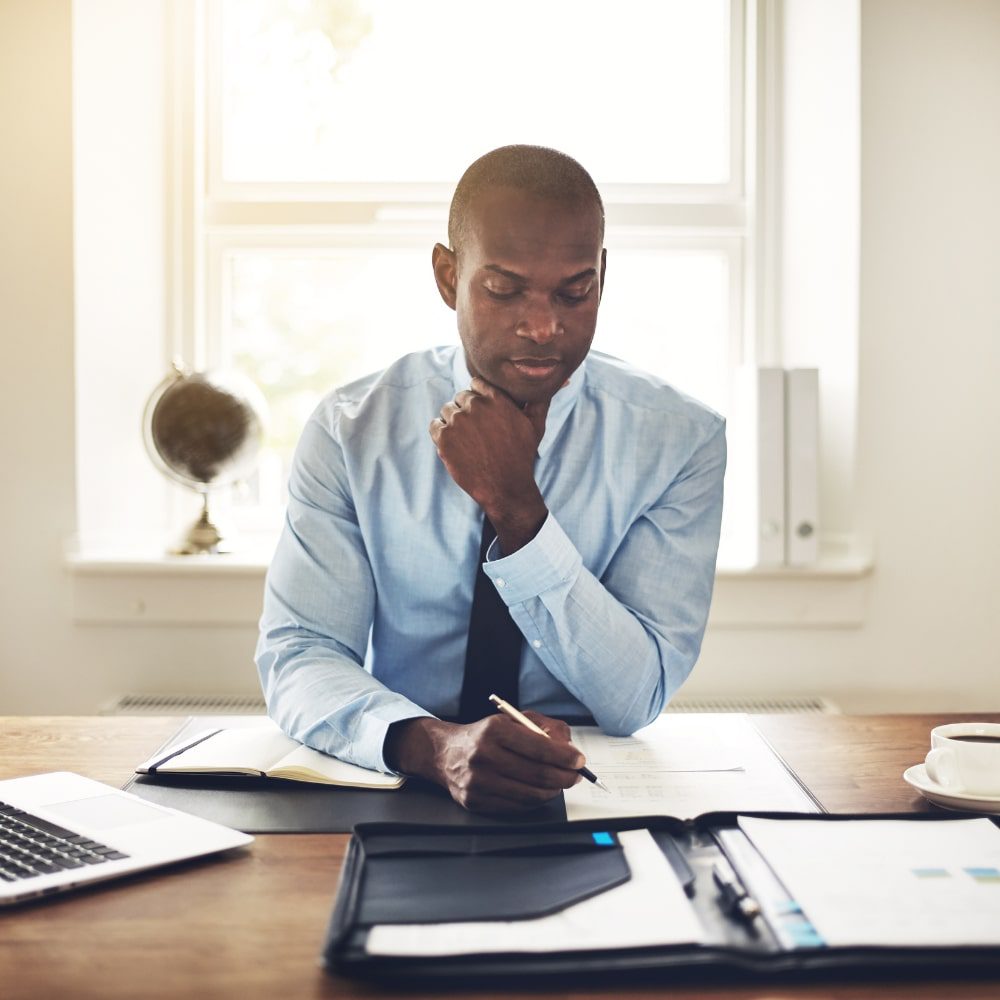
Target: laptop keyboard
31,846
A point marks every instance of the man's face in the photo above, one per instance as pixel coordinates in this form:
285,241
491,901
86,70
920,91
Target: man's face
526,285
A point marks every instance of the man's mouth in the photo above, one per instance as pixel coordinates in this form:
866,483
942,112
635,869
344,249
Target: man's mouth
537,368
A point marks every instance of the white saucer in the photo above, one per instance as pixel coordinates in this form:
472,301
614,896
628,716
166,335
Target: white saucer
916,777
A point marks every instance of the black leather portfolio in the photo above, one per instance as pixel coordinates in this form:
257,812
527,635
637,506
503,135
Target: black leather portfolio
401,880
407,879
265,805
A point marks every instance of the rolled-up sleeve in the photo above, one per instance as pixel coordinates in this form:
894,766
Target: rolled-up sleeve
319,601
623,644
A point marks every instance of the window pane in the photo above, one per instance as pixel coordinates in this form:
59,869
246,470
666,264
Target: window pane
667,312
300,323
404,91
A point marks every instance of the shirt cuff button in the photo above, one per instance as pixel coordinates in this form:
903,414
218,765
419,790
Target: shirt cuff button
537,643
501,582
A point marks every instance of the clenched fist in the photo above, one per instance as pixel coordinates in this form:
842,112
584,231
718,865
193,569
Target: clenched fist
488,445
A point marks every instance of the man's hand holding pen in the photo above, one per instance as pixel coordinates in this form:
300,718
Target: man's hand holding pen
496,765
510,710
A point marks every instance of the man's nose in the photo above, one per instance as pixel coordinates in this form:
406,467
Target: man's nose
539,323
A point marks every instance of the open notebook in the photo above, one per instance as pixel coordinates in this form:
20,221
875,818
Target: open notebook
261,750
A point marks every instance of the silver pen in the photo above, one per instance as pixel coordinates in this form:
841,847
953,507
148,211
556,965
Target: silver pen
734,893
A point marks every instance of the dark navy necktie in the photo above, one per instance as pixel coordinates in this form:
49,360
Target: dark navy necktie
493,655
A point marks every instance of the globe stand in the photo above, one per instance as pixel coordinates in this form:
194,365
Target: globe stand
204,430
203,537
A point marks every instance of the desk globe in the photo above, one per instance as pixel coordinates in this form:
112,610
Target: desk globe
204,430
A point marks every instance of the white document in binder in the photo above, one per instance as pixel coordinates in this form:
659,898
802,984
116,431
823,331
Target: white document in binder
802,466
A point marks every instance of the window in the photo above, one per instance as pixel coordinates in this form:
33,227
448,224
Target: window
318,143
748,262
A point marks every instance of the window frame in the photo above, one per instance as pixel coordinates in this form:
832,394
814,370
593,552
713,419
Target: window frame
117,563
208,213
210,218
379,195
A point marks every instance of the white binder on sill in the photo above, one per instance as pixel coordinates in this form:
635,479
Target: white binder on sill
802,466
755,488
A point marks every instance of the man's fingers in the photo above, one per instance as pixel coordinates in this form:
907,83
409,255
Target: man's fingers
542,749
525,772
483,388
499,765
453,406
449,410
555,728
497,761
536,413
463,398
439,423
497,771
496,393
505,795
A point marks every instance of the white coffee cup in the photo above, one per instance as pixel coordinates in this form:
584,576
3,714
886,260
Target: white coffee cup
965,757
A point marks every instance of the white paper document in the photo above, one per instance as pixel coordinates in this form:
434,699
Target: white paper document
650,909
683,765
888,882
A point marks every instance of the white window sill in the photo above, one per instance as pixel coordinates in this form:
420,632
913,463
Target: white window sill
154,589
111,588
832,593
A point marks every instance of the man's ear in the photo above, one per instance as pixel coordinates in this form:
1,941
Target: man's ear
445,265
604,267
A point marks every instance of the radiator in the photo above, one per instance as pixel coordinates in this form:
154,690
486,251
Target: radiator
250,704
186,704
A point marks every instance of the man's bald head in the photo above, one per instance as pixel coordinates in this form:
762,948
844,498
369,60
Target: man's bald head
537,170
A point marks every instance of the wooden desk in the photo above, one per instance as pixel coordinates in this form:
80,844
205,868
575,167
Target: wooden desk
252,925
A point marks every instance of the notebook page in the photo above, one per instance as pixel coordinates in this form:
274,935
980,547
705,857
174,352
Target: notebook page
257,747
339,772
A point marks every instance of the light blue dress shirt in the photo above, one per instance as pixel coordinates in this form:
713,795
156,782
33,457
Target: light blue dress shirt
367,600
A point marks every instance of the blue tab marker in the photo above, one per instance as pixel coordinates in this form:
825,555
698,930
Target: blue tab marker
604,839
931,872
985,875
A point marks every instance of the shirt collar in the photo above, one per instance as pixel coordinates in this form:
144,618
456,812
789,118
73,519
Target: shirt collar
559,409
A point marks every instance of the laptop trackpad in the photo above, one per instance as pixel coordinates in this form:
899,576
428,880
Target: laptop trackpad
102,812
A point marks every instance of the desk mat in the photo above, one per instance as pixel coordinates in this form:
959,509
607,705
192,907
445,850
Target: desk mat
272,805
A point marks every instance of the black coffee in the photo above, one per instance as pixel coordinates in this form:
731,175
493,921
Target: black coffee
977,739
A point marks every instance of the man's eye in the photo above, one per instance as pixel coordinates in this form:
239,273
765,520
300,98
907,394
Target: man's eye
501,294
575,297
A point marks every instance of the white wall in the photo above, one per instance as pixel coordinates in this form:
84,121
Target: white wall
48,665
36,296
928,487
818,231
930,343
928,480
119,223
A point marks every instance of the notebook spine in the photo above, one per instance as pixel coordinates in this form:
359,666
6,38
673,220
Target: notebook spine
150,766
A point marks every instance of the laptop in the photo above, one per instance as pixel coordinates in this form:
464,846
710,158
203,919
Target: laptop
60,831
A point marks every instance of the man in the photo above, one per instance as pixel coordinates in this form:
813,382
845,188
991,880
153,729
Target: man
603,486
